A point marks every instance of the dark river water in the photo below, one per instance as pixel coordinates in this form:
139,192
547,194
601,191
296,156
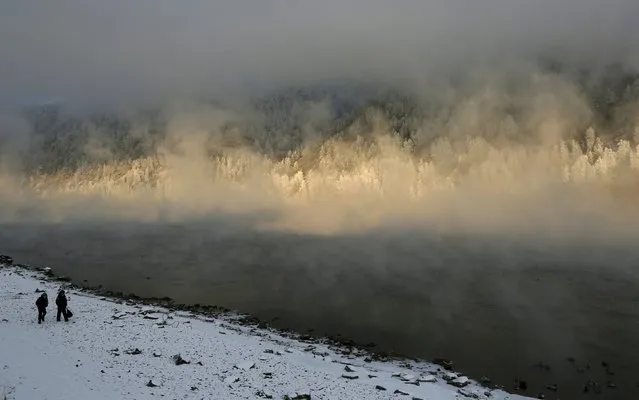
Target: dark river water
496,306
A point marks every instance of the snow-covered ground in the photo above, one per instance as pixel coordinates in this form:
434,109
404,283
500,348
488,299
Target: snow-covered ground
111,349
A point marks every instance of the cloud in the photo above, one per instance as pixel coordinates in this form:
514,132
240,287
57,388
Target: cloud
96,51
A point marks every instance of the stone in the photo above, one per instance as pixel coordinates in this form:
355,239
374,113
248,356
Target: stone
263,394
445,363
468,394
428,378
460,382
298,397
5,259
178,360
449,376
485,382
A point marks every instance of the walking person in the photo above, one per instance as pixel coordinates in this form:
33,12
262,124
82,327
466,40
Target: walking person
42,303
61,302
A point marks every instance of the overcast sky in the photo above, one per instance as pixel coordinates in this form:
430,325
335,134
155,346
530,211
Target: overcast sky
95,50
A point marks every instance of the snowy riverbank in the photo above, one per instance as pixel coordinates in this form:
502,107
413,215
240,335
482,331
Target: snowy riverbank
111,349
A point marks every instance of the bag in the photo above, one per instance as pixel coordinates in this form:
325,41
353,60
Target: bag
69,313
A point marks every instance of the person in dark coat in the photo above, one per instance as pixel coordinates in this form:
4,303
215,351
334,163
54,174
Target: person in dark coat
61,302
42,303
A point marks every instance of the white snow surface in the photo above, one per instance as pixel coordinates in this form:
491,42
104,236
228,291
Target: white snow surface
90,357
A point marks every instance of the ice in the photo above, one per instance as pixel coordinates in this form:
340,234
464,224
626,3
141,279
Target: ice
118,354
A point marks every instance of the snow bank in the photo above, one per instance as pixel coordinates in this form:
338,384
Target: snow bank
115,350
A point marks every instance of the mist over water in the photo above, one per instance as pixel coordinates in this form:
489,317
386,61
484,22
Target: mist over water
442,179
535,157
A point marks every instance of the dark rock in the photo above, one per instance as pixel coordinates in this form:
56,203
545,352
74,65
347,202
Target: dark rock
178,360
468,394
150,383
445,363
40,291
485,382
193,388
405,365
263,395
459,382
400,392
350,376
348,369
378,387
298,397
450,376
5,259
368,360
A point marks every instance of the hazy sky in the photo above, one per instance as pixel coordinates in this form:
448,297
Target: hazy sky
93,50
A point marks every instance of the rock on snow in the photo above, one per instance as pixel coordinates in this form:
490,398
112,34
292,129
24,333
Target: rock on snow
79,359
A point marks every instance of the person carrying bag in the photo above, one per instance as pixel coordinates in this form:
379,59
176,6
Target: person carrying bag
61,302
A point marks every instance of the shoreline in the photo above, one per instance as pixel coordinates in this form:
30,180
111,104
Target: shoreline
351,364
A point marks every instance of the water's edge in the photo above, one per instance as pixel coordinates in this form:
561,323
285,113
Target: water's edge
346,345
